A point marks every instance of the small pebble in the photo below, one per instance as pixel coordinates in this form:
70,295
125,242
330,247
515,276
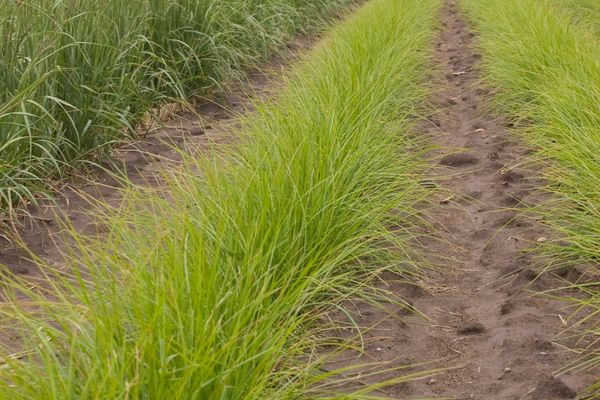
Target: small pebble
542,239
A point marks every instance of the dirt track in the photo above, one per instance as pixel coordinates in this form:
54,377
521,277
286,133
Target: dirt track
499,335
487,327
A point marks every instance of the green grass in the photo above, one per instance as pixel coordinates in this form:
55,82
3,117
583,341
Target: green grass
218,286
545,65
586,12
77,75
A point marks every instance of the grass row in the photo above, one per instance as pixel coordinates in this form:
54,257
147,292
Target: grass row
77,75
218,286
547,71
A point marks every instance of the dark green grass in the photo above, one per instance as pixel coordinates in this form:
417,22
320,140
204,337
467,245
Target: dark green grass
77,75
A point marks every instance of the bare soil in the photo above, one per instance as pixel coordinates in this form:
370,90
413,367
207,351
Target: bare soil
488,326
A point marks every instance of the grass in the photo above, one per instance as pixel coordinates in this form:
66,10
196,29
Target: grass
544,63
78,74
218,286
585,12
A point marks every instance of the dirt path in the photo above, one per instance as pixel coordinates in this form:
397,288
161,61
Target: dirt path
496,338
499,336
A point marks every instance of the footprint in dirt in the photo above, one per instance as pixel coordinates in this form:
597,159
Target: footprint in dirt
459,160
553,389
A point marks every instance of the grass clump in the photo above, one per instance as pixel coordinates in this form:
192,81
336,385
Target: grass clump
545,67
217,287
78,75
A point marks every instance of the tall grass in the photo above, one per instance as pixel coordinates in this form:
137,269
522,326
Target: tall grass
218,286
585,12
547,70
78,74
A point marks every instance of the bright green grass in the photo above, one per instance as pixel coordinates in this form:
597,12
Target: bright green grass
217,288
585,11
547,70
77,75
